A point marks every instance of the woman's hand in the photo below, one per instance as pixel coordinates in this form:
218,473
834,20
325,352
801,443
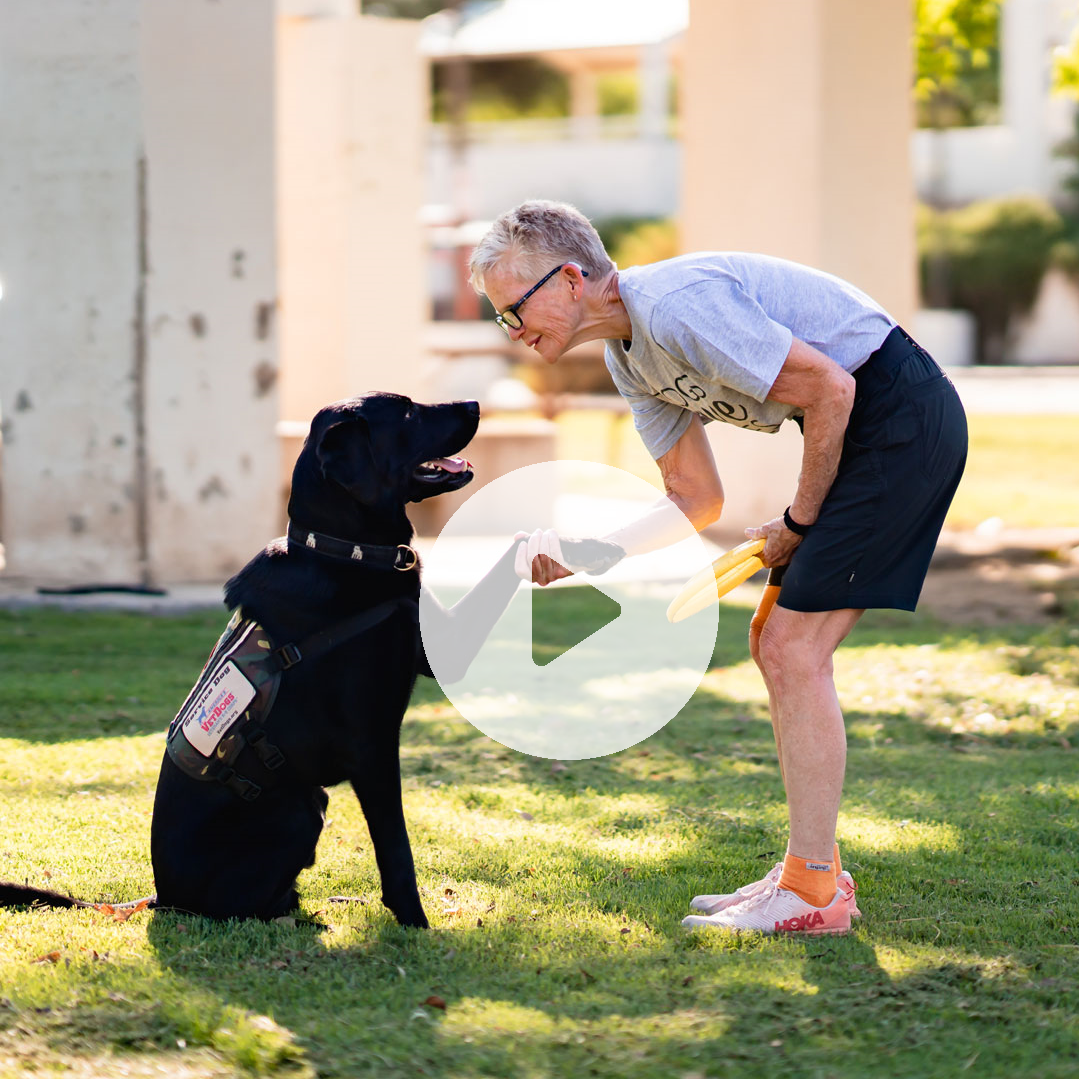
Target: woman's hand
539,558
780,542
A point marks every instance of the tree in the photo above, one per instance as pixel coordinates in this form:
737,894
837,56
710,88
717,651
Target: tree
957,61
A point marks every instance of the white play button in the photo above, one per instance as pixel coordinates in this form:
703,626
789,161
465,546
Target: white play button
559,676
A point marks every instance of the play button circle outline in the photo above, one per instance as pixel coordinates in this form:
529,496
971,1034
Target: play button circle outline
620,684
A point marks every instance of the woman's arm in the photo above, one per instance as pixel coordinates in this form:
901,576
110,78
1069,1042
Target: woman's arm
694,491
825,394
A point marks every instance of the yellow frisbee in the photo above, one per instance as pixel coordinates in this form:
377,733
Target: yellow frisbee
704,588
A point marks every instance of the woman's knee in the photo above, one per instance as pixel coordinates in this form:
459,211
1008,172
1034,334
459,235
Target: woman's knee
785,657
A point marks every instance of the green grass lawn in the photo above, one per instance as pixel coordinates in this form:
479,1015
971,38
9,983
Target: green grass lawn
555,894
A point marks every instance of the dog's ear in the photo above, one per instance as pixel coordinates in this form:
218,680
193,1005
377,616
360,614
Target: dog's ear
345,456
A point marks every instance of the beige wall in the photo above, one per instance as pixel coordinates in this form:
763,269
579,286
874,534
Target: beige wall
351,101
796,128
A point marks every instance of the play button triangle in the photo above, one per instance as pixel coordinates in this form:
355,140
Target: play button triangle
564,617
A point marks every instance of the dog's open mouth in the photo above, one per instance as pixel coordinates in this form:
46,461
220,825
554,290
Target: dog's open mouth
434,470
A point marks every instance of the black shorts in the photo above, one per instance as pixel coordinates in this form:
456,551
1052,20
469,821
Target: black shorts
903,455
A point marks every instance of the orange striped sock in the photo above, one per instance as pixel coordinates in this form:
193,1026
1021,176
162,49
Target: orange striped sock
835,859
809,879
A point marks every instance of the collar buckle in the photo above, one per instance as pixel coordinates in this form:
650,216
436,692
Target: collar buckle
409,553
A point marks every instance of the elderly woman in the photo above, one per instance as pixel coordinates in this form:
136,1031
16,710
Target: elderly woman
756,341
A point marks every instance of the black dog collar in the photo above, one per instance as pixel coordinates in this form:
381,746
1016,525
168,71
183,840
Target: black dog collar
402,557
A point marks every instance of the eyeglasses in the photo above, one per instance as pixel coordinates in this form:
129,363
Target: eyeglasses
509,319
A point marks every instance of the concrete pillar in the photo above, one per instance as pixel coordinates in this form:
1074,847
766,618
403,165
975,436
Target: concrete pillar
351,101
796,128
584,101
1025,72
655,75
137,361
70,127
212,396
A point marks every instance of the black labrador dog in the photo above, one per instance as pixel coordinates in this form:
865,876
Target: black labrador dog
333,608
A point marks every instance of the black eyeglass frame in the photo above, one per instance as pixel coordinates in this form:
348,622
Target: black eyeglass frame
514,320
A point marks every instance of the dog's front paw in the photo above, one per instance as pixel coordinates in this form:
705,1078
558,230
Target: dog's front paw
408,913
592,556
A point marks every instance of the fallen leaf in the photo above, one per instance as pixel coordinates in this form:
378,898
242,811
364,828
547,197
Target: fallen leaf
524,816
557,767
450,891
625,930
688,979
435,1002
50,957
451,911
121,914
47,874
479,923
279,964
490,906
590,977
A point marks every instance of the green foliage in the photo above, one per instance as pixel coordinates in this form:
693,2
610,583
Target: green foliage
634,241
995,253
619,93
957,61
1066,67
403,9
521,89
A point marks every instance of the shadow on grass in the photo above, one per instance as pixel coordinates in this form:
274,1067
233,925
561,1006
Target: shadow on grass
679,1002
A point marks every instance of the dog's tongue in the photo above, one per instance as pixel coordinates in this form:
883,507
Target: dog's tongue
451,464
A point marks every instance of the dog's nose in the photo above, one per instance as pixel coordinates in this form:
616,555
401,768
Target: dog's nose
473,408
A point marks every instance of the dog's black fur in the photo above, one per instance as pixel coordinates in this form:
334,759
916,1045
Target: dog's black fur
337,717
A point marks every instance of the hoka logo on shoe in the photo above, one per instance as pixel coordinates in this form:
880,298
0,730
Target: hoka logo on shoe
800,923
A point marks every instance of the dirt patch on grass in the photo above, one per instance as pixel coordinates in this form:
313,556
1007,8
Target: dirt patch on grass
992,576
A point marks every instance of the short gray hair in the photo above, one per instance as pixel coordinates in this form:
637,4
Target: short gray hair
537,236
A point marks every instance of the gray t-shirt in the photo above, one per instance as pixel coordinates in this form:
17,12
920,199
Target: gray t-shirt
711,331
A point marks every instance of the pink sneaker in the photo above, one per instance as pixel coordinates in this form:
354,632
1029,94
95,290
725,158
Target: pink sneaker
777,910
713,904
845,883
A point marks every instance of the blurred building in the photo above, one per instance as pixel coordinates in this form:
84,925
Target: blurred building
631,164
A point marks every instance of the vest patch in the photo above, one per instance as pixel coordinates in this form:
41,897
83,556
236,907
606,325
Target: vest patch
221,702
233,694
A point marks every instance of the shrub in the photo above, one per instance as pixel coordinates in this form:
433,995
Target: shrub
634,241
989,258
